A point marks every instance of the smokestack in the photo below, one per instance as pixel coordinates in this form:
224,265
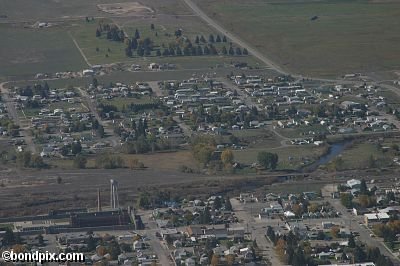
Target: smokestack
98,200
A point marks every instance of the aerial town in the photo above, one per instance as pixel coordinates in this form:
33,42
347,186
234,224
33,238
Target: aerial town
188,132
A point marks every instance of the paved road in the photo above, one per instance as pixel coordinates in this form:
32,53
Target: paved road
92,107
13,114
355,223
257,228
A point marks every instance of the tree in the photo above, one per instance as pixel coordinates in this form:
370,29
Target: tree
245,52
206,50
211,38
80,161
197,40
217,203
152,26
224,51
40,240
231,51
351,241
95,83
227,157
137,34
9,237
335,231
267,160
228,205
363,187
199,50
218,39
346,199
202,39
224,39
98,33
178,51
76,147
215,260
134,43
158,53
100,131
128,52
238,51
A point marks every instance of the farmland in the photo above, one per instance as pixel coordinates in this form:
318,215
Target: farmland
346,37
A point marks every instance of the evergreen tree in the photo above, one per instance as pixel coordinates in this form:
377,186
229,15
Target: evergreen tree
224,51
224,39
98,33
231,51
172,51
213,50
197,40
178,51
218,39
158,53
137,34
245,52
134,43
140,51
128,52
202,39
351,241
152,26
238,51
186,51
165,52
206,50
211,38
199,50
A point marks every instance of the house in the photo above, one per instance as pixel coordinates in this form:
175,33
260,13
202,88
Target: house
138,245
353,184
371,218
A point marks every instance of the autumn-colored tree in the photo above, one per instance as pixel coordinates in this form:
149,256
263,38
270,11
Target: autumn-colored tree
101,251
18,248
335,231
313,207
280,249
227,157
230,259
297,209
214,260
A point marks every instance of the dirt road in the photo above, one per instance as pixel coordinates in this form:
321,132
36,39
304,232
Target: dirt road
233,37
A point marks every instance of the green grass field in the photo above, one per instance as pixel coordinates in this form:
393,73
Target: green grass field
25,51
348,36
298,154
99,50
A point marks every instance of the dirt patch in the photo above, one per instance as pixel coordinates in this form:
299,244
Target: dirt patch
124,8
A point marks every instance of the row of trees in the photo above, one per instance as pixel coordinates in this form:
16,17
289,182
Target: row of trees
111,31
211,39
187,51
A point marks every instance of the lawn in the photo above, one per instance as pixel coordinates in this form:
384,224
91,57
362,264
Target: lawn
348,36
120,103
291,157
99,50
358,155
26,51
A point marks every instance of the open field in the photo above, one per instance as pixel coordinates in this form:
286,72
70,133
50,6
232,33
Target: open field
28,10
290,157
348,36
132,77
25,51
